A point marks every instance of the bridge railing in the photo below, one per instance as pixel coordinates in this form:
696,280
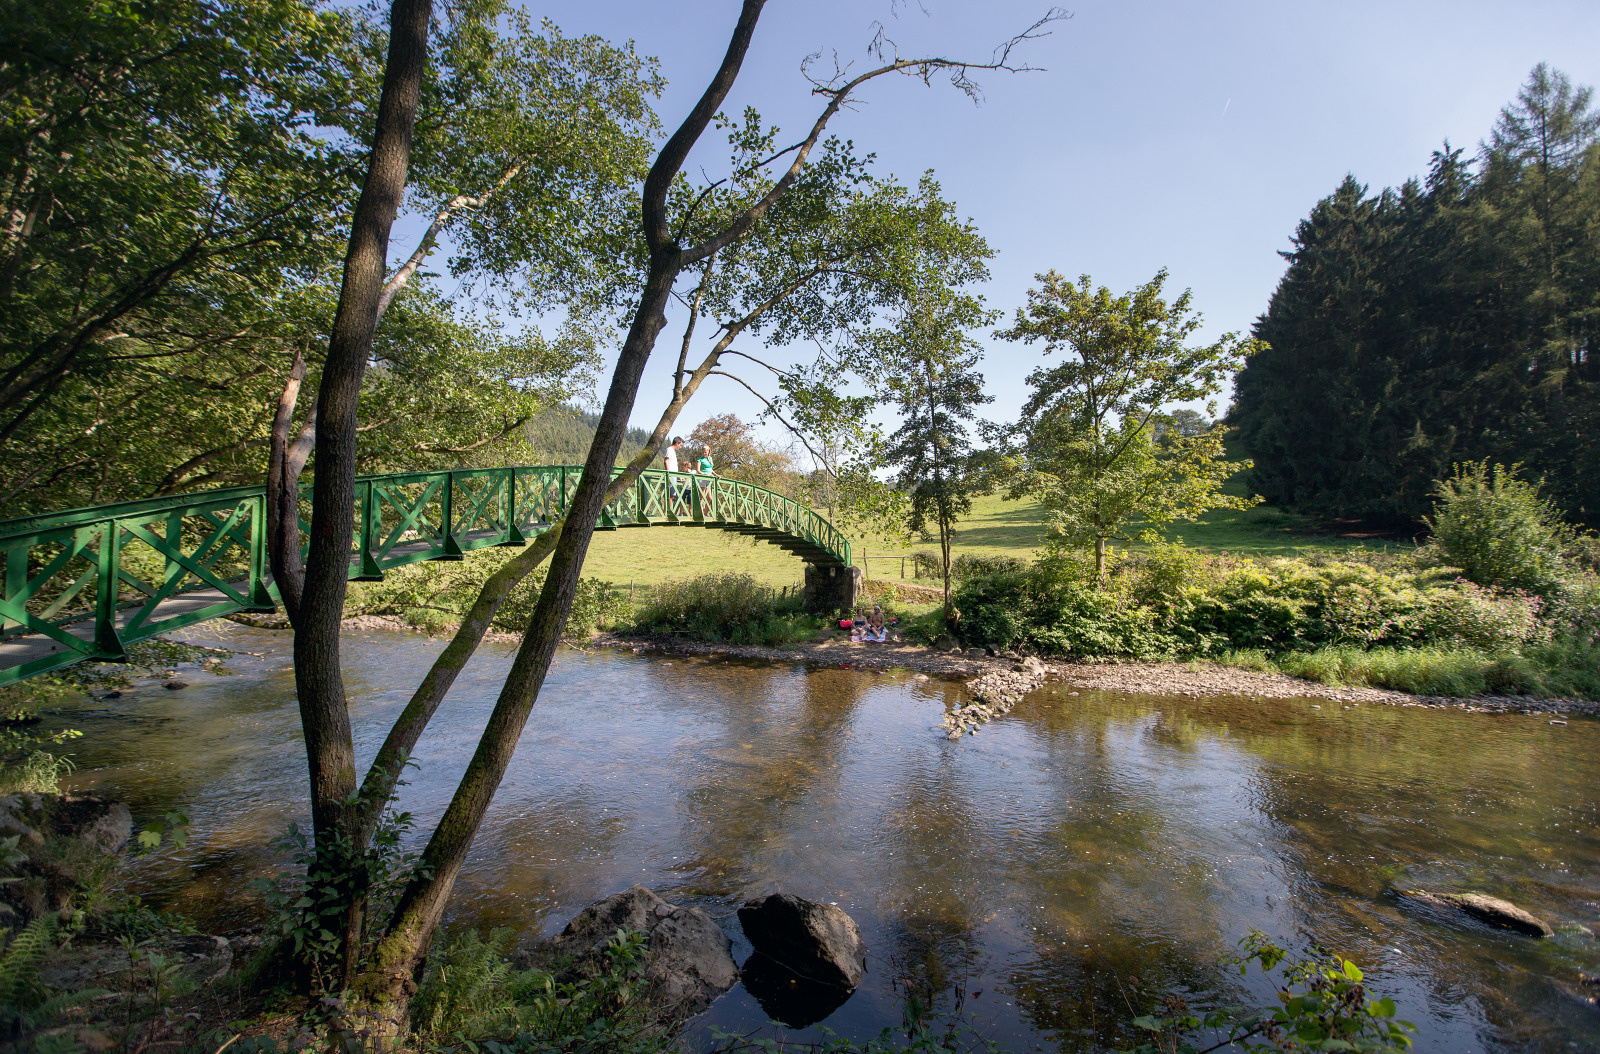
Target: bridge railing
94,580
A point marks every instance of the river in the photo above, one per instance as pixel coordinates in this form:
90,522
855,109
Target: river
1082,850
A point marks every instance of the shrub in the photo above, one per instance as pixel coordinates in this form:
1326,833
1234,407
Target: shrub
1572,610
1169,571
434,595
927,563
1479,618
726,607
1497,528
1048,609
968,565
595,605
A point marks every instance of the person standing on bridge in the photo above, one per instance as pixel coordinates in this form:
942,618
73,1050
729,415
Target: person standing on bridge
705,468
670,458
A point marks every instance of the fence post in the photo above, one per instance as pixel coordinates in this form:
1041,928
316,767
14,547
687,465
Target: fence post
260,598
452,551
371,524
514,534
16,581
107,644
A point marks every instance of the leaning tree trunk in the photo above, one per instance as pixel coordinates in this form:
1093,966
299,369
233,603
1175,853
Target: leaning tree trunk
391,977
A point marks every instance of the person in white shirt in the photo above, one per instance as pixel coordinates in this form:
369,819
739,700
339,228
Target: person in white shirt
671,459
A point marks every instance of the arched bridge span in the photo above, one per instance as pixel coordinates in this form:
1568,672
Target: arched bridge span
83,584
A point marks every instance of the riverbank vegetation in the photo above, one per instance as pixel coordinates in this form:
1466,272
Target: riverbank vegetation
1504,599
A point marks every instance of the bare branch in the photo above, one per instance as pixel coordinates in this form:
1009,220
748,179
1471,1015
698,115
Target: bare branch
688,330
772,410
429,448
457,204
839,94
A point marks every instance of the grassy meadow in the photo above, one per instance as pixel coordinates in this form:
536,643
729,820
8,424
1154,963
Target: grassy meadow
995,527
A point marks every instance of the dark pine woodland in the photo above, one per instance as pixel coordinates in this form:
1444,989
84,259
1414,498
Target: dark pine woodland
1452,320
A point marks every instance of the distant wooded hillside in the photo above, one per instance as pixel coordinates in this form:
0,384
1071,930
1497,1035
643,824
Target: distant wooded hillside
562,437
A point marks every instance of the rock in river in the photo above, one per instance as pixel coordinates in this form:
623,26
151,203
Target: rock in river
816,941
687,957
1493,910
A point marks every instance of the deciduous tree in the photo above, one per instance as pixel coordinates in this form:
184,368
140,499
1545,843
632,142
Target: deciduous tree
1087,448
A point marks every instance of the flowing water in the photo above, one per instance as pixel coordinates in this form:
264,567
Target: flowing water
1071,861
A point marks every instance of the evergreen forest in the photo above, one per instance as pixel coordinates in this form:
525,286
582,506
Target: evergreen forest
1451,320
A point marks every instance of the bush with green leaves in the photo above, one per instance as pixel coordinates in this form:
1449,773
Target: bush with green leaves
969,565
308,905
726,607
1048,608
1498,529
1323,1005
1404,625
473,997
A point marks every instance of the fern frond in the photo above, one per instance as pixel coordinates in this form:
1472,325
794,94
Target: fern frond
19,965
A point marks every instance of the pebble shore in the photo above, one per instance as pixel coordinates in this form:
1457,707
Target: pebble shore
996,683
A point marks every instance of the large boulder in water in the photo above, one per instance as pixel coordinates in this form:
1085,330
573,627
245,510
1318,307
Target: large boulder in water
687,958
817,941
1493,910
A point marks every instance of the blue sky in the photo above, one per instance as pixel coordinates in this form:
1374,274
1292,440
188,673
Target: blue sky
1160,134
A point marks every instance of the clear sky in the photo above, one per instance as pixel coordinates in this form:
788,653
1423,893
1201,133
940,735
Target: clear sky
1191,136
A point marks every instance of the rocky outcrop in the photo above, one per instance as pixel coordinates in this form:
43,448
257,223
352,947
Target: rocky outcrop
994,694
687,958
1492,910
102,826
818,942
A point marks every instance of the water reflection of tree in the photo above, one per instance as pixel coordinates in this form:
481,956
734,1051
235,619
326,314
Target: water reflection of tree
765,785
1112,876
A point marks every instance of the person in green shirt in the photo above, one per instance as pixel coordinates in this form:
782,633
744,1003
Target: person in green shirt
703,465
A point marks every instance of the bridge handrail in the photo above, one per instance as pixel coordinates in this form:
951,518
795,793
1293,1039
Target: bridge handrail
64,568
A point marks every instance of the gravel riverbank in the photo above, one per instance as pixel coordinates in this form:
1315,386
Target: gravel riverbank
991,678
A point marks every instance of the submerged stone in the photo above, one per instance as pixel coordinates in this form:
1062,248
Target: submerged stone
1492,910
786,997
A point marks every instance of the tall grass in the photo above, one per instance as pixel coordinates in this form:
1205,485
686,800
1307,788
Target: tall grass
1557,669
726,607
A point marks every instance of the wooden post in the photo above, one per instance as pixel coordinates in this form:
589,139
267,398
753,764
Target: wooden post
902,569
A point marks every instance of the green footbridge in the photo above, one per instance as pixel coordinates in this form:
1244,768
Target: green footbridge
82,585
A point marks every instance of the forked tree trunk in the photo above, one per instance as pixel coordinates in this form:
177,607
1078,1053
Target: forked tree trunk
319,682
390,980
